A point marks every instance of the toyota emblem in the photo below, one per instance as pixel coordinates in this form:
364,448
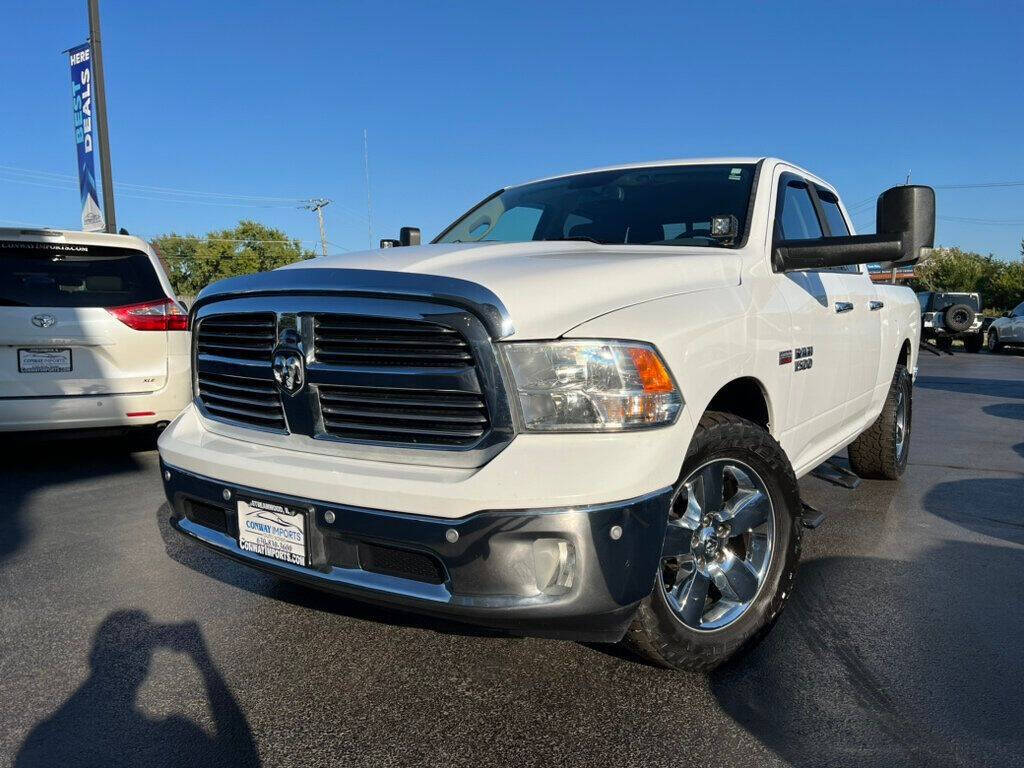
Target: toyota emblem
43,321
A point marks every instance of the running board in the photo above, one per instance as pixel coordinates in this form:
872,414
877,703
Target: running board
810,518
929,347
837,475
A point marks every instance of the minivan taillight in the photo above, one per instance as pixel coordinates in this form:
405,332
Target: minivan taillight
160,315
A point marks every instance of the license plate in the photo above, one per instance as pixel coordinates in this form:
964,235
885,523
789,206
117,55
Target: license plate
44,360
272,530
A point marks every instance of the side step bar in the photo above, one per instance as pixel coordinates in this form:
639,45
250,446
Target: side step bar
810,518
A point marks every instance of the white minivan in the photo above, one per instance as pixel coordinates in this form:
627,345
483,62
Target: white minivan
91,336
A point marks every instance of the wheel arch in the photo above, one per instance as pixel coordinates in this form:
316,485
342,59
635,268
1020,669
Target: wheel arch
746,397
905,351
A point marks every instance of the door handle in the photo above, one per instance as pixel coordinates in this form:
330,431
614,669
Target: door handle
844,306
875,305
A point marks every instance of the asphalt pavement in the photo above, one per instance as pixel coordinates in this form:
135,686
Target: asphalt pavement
122,644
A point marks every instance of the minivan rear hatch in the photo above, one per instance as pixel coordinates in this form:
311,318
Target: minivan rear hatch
58,336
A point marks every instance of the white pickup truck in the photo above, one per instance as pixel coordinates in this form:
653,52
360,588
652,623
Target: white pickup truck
581,411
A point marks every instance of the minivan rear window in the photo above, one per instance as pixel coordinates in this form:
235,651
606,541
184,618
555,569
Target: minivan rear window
35,274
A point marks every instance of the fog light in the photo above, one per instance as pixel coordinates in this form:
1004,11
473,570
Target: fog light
554,561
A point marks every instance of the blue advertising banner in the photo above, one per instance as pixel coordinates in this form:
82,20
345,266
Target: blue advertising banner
80,59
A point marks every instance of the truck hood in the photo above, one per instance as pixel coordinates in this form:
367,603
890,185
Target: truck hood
551,287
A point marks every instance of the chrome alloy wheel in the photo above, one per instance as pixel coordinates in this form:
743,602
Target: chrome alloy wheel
718,544
901,422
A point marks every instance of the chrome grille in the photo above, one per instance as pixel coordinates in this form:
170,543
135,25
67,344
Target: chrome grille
355,340
240,336
418,416
402,380
243,399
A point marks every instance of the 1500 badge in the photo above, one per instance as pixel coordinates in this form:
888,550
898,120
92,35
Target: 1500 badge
803,357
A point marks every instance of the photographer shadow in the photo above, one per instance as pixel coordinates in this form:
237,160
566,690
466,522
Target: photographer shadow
101,724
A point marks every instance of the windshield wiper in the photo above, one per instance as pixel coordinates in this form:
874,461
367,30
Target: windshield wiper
581,238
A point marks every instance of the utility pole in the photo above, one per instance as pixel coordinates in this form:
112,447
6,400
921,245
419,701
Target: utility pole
100,104
318,206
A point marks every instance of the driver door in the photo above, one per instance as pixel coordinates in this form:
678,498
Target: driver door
818,359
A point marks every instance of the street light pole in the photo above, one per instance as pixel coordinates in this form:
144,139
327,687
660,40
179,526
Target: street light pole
100,104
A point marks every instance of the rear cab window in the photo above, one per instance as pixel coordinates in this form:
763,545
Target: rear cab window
39,274
830,205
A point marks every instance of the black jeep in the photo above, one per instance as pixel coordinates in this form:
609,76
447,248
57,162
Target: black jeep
946,316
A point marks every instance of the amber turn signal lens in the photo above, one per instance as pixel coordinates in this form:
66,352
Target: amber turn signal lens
651,370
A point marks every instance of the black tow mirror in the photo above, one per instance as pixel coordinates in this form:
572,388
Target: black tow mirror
905,219
908,213
409,235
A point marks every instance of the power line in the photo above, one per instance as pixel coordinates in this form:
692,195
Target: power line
50,176
983,185
973,220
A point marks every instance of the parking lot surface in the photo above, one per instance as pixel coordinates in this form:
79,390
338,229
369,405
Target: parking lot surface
122,644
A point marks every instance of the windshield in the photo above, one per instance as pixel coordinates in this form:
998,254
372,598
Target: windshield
36,274
671,205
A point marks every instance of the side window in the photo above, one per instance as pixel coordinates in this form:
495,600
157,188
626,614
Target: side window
834,217
1019,310
798,220
836,223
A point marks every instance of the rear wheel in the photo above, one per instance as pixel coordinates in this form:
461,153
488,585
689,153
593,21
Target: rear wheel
973,343
994,345
731,549
881,451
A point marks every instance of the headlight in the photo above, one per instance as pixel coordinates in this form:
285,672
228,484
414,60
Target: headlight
591,386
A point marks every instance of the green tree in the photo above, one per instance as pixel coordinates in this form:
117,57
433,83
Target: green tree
1000,283
195,262
1006,288
953,269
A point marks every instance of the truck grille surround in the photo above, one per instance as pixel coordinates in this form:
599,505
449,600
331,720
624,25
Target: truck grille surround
423,377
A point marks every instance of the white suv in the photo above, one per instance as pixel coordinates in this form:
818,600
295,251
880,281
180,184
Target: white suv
90,334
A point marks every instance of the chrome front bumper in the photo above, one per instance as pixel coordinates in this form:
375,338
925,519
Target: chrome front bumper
564,572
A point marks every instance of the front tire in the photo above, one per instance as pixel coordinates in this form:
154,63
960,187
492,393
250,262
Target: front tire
994,346
881,451
732,547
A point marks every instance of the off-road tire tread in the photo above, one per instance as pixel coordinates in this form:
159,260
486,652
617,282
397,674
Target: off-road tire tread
716,431
974,343
873,454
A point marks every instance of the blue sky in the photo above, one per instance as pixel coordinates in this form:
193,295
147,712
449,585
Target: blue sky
265,99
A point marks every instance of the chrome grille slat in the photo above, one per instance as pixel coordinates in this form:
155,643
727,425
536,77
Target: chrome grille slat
397,415
413,434
403,397
245,413
212,396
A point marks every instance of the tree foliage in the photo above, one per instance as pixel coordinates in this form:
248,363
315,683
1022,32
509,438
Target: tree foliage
195,262
1000,283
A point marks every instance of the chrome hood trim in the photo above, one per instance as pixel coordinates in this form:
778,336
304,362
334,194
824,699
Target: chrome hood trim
331,281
